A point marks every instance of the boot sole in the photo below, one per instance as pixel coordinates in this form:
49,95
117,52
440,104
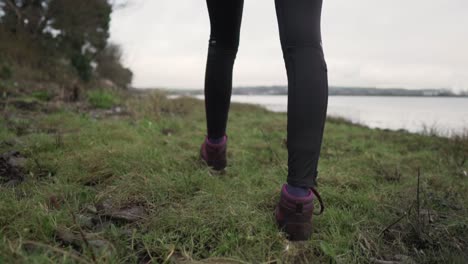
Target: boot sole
298,231
215,165
295,231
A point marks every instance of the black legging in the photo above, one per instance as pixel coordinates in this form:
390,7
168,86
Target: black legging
299,27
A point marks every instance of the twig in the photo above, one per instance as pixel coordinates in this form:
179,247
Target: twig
417,200
85,240
407,212
169,255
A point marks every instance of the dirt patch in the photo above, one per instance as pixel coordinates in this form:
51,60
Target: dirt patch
12,168
425,229
26,105
115,112
167,131
9,143
98,173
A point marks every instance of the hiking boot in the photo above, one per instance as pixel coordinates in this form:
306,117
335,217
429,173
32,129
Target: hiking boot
214,155
294,214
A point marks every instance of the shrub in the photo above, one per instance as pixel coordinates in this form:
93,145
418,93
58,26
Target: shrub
109,66
82,64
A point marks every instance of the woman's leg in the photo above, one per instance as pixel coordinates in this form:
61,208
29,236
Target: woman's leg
299,26
225,20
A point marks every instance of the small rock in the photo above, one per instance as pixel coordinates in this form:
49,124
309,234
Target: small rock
17,161
91,209
10,142
128,232
99,244
101,225
167,131
66,236
104,205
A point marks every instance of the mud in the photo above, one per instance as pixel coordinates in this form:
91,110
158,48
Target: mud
26,105
12,168
80,240
129,213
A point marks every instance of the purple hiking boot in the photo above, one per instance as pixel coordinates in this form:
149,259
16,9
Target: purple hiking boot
294,214
214,155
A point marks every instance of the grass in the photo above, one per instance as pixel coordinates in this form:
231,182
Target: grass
81,170
102,99
42,95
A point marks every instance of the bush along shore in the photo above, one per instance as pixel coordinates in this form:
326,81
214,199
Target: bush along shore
116,178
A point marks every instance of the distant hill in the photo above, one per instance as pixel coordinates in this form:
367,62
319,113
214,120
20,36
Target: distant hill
334,90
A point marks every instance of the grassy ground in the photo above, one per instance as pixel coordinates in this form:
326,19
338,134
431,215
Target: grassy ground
125,186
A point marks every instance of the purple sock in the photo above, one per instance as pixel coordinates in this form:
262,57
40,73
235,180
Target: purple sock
215,140
297,191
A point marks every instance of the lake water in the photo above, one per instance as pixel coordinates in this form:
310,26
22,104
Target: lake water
447,115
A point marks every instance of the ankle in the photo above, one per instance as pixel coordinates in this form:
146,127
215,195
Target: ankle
216,140
297,191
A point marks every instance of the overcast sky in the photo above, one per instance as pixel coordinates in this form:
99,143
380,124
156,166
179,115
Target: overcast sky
384,43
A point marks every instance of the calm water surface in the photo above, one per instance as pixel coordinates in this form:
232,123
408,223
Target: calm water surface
444,114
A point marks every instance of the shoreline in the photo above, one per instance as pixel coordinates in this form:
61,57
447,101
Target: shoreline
424,129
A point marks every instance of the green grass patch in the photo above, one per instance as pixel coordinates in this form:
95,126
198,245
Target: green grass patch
83,173
42,95
102,99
